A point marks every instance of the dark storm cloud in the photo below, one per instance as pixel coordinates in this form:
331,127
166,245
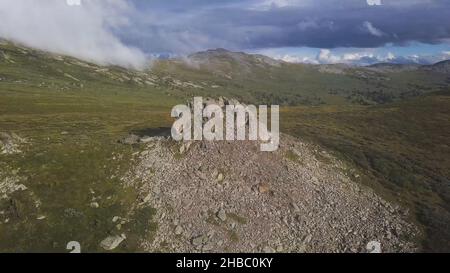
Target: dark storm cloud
189,25
125,32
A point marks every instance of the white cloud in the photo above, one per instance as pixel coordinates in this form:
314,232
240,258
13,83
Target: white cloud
296,59
364,57
325,57
390,56
268,4
372,30
84,31
374,2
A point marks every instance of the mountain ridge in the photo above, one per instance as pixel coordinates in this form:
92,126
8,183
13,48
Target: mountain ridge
250,78
222,52
392,66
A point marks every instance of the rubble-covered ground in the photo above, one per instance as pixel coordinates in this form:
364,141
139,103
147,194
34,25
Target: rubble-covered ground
229,196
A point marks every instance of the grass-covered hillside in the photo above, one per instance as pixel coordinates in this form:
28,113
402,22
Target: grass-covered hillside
71,115
261,80
402,150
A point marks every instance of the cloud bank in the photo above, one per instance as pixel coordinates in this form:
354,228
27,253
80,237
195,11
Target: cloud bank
360,58
84,31
187,25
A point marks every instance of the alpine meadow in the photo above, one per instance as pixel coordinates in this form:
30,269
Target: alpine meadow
87,155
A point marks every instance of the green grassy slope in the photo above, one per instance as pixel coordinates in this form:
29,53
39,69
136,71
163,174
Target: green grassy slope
72,158
402,150
260,82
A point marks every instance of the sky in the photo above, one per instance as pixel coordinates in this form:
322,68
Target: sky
130,32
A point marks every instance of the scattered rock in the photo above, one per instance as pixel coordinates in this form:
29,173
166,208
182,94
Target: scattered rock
208,247
300,208
10,183
307,239
147,198
295,207
185,147
147,139
221,214
182,149
130,140
268,249
71,77
178,230
220,177
112,242
263,188
10,143
197,241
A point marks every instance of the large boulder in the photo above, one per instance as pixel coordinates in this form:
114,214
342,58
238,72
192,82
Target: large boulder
112,242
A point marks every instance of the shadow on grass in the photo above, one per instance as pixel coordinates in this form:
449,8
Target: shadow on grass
153,132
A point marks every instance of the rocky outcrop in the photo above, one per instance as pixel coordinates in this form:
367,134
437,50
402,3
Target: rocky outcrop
297,199
10,183
10,143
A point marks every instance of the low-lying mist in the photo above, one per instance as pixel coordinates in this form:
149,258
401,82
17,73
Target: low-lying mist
84,31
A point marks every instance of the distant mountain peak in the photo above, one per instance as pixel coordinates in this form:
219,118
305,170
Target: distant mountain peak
228,62
219,50
215,52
